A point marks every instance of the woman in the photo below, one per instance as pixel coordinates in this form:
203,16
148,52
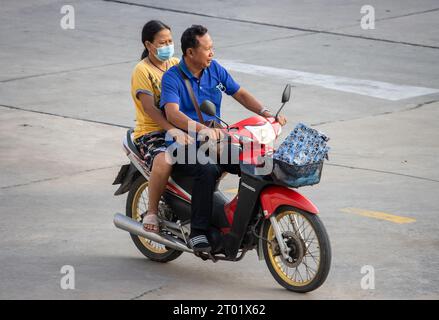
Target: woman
151,125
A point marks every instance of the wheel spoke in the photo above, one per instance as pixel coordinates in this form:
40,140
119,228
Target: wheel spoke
294,274
313,242
309,268
284,268
312,256
305,226
282,225
307,271
144,202
300,274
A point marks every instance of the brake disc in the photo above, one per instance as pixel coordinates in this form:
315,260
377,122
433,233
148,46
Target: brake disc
297,249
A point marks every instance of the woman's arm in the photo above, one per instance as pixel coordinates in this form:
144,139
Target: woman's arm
155,114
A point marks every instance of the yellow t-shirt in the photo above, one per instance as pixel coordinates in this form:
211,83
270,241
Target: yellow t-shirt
147,79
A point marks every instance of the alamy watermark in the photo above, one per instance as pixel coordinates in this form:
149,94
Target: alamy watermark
368,280
68,280
368,18
68,20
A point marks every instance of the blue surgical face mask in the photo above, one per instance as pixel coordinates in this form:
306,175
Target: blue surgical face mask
165,53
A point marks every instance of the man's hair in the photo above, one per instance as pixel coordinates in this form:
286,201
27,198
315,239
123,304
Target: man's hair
189,37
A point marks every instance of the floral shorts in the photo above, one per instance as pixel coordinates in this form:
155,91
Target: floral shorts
150,145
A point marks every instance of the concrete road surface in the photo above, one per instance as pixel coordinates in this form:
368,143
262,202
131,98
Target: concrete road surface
65,105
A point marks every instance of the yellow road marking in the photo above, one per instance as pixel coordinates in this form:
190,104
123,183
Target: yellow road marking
234,190
379,215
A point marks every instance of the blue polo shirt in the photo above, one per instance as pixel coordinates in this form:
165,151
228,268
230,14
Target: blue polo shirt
213,82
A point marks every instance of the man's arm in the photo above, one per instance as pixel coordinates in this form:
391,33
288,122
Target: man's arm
251,103
179,119
157,116
247,100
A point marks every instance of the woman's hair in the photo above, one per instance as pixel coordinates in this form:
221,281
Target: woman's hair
150,29
189,37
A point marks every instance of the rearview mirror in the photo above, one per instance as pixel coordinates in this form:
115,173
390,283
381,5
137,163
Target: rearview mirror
286,94
208,108
285,98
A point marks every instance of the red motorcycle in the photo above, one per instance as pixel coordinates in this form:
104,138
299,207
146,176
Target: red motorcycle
266,214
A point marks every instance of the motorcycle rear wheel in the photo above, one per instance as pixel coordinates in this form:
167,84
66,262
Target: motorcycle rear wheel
310,255
137,203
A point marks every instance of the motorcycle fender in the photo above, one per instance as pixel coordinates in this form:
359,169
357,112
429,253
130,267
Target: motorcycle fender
274,196
127,174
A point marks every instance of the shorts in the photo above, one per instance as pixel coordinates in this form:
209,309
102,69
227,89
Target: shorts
150,145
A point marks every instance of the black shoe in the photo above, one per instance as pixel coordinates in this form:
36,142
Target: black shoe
199,244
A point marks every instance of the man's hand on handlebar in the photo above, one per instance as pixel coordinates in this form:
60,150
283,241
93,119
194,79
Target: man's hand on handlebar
280,118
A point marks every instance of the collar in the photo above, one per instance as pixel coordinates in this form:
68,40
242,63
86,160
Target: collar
186,70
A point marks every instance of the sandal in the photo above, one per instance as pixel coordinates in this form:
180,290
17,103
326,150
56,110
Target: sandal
151,223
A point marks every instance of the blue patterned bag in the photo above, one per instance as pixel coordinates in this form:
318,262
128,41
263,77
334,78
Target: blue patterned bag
299,159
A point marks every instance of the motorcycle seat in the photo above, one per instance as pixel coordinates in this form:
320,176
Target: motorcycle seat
132,145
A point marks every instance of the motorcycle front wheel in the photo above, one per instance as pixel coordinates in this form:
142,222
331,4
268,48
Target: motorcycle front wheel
309,257
137,204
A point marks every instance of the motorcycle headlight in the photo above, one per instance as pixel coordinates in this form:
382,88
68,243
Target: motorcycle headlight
264,134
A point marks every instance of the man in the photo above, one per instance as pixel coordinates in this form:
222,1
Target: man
208,80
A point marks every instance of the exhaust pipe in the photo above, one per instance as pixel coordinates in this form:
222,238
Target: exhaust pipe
125,223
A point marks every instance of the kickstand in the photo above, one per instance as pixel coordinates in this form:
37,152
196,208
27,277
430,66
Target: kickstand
206,256
212,257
